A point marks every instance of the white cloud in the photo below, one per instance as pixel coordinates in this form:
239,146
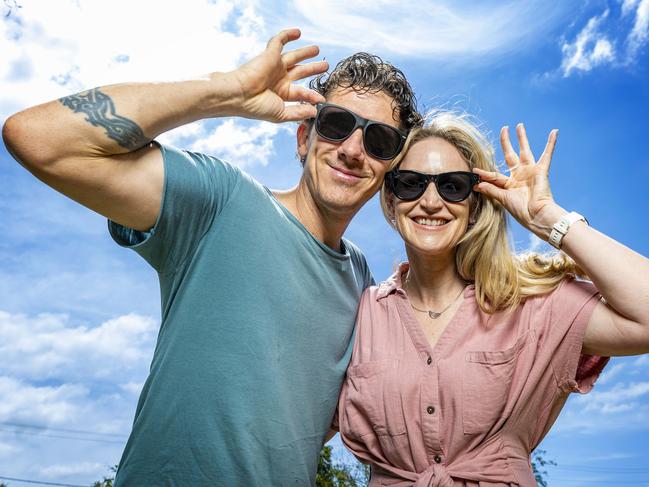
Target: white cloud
47,346
607,40
591,48
640,32
63,470
536,244
242,143
431,29
69,391
50,404
50,49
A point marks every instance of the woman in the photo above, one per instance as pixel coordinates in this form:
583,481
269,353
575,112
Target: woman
465,356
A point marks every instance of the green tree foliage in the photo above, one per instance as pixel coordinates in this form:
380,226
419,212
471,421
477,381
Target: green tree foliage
538,464
338,474
108,481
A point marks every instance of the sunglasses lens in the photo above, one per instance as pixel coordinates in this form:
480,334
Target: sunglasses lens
408,185
454,186
335,123
382,141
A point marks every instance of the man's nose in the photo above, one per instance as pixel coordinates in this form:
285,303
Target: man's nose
351,150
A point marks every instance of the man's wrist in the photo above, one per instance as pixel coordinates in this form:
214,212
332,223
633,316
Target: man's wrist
226,97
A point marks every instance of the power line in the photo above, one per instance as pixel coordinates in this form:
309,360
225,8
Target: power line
78,438
29,481
64,430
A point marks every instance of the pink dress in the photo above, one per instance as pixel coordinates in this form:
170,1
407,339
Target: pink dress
469,411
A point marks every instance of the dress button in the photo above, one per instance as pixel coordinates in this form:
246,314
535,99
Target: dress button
430,409
429,361
437,459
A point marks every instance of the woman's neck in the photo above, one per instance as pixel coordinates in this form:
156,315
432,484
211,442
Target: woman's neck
432,281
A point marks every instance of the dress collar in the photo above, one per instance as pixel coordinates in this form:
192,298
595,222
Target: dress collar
393,283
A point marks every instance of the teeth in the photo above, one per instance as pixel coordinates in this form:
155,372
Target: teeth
430,222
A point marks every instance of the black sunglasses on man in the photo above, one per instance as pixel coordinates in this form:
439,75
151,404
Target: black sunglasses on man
336,123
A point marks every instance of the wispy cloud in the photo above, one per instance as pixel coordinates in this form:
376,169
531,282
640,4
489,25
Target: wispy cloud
591,48
612,38
431,29
618,402
640,31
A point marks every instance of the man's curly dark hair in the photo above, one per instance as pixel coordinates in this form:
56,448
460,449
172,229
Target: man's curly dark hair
369,73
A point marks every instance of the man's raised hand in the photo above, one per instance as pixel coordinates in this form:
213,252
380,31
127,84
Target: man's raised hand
267,82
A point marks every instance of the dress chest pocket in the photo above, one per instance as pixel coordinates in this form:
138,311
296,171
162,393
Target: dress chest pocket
374,399
486,384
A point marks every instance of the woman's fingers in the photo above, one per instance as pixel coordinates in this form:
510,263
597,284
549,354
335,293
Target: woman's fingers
492,191
493,177
524,145
546,157
511,158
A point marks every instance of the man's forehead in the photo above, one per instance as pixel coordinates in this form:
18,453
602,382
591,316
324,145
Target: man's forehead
375,105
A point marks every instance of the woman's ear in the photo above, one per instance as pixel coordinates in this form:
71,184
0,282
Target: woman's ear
389,204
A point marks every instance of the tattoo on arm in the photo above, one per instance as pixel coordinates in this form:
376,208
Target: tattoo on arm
100,112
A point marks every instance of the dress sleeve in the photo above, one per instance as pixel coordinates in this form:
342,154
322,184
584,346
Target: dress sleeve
196,188
573,303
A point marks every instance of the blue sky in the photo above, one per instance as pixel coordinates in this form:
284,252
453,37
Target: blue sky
79,315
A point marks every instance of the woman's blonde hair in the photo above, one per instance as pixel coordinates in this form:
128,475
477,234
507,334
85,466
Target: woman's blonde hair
502,279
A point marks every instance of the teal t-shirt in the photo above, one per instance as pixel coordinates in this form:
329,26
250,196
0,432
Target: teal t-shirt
257,321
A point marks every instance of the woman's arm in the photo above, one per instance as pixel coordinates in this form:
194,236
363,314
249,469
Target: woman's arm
620,326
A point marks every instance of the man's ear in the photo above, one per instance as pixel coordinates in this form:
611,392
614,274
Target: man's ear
303,133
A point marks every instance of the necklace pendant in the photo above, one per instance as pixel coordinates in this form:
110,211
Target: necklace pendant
434,314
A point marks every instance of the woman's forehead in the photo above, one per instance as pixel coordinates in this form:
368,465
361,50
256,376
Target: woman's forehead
434,155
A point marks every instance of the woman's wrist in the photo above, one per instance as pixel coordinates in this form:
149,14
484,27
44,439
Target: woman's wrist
545,219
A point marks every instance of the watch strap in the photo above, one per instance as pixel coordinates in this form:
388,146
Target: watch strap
561,227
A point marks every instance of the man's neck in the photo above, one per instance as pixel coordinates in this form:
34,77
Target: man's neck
325,225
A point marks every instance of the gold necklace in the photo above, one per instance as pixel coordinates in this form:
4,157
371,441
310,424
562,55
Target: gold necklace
431,313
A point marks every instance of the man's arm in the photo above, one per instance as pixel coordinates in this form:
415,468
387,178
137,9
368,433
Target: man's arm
95,146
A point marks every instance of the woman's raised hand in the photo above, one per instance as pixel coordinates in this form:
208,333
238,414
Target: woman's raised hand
525,193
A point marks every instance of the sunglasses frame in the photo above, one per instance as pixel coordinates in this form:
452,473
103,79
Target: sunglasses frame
362,123
391,177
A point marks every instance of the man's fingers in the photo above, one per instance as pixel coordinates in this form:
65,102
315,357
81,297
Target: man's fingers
302,71
279,40
302,94
296,56
298,112
511,158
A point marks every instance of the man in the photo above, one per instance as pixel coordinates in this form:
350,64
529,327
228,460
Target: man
259,290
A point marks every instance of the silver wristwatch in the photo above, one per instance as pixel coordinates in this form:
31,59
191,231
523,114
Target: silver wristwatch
560,228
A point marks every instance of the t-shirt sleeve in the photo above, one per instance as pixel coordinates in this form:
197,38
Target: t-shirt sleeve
196,188
365,278
573,303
